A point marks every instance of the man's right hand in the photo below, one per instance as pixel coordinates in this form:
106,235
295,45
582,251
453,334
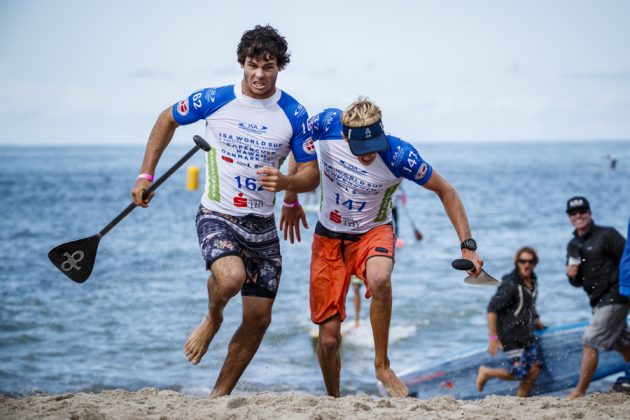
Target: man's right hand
138,191
493,345
572,270
290,222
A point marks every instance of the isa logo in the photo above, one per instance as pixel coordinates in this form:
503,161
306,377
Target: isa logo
253,128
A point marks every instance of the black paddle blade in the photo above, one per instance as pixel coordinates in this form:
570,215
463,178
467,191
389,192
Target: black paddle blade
75,259
463,264
418,235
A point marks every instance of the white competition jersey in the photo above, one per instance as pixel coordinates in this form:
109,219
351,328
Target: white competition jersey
245,134
355,197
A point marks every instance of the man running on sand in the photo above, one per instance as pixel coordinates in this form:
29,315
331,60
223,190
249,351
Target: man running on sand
252,127
361,168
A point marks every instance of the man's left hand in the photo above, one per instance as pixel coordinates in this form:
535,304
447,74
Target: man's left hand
476,259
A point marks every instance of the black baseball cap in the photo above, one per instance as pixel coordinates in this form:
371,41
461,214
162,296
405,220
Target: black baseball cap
578,203
366,139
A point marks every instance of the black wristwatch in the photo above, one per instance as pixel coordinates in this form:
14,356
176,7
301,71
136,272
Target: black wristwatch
469,244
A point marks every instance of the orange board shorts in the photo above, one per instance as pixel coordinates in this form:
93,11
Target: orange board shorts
330,273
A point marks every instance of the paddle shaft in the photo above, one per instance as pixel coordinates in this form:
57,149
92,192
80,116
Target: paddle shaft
149,190
413,225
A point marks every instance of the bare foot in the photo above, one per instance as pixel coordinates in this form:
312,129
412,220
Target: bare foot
482,377
395,388
198,342
575,394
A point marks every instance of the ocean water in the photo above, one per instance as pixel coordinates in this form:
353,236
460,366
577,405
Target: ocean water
125,327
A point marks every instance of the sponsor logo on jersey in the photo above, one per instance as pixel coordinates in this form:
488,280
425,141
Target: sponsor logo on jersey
309,147
312,122
240,201
422,171
396,157
335,216
329,120
253,128
211,94
353,168
298,110
182,107
227,159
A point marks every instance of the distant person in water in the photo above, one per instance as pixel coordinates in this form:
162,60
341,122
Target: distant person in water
512,318
612,162
593,256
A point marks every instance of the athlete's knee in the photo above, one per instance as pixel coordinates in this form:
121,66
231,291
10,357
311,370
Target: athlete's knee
257,321
380,282
329,343
229,284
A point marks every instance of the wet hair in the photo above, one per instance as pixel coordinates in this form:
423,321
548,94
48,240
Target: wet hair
360,113
263,42
524,249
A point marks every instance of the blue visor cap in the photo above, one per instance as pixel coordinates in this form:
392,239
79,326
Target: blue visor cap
367,139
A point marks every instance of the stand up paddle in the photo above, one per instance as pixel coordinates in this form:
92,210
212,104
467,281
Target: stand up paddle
416,232
76,259
483,279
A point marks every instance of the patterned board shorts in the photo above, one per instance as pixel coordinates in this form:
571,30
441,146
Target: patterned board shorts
253,238
519,362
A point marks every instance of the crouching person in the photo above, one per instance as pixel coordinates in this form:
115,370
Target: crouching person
512,318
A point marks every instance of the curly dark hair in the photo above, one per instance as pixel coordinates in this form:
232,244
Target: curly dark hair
261,42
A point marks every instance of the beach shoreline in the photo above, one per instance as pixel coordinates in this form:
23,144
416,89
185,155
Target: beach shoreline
152,403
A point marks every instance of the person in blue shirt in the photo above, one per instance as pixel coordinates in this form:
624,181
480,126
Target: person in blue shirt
623,383
251,127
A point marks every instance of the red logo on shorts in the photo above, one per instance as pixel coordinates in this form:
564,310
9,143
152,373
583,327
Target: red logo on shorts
335,216
240,201
227,159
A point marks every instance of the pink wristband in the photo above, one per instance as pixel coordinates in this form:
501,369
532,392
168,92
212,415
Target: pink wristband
493,338
148,177
295,204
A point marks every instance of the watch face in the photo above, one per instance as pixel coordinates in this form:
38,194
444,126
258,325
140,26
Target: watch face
469,244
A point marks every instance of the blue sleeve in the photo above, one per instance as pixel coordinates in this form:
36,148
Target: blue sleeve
201,104
326,125
405,162
624,268
301,142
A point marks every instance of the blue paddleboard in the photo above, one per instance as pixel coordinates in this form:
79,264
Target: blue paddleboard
457,375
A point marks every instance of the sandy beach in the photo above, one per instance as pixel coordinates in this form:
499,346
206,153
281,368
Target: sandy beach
152,403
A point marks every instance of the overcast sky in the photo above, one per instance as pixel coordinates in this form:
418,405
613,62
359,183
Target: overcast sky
87,72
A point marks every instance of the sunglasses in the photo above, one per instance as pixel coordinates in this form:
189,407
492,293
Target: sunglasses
526,262
574,212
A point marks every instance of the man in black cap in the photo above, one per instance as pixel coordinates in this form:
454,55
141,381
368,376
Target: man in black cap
593,256
361,168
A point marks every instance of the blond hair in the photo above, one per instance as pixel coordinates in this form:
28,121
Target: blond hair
360,113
